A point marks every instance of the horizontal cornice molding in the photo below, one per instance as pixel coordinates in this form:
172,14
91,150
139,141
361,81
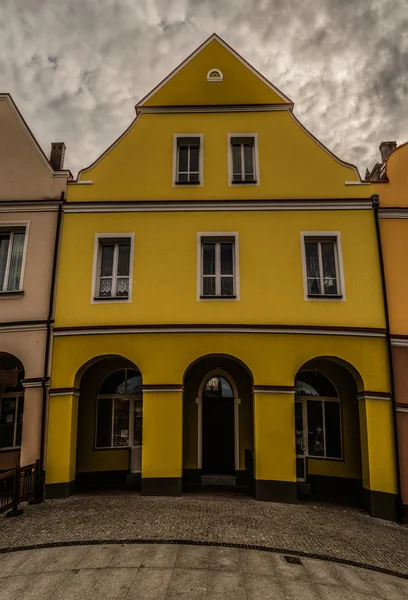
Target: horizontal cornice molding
399,341
368,395
273,389
218,205
34,382
70,391
401,408
215,108
400,212
21,326
222,328
8,206
163,387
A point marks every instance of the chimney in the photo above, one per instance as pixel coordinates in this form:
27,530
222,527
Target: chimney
386,148
57,155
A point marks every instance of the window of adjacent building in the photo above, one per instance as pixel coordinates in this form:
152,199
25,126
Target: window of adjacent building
319,432
119,410
188,160
322,265
113,269
11,258
243,161
218,267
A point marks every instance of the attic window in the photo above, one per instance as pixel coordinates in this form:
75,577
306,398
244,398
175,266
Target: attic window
214,75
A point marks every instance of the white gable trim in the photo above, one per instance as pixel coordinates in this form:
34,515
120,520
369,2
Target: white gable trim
57,174
214,36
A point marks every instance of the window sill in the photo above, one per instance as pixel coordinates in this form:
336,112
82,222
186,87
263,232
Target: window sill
326,458
244,182
187,182
111,299
325,296
16,294
10,449
112,448
218,297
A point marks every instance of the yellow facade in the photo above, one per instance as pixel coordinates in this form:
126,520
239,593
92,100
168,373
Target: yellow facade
265,334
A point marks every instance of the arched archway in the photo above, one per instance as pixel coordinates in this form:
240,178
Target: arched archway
217,422
327,431
11,409
109,430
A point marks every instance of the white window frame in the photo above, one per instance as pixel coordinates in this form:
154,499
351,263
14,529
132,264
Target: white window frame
200,240
200,159
257,176
324,235
8,227
17,395
99,239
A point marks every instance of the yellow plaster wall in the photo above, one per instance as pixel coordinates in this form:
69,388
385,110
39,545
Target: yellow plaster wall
291,163
270,269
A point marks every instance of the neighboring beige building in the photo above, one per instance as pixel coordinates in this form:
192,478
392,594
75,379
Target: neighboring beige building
32,191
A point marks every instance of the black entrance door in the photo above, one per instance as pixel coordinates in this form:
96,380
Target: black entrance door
218,427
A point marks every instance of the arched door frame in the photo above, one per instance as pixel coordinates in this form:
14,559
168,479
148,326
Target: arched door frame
199,401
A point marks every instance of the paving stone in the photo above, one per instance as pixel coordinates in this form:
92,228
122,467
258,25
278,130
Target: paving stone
37,561
188,583
43,585
300,590
159,555
225,583
354,578
262,587
97,557
227,559
256,561
14,587
113,584
149,584
9,562
328,592
77,584
68,558
289,570
193,557
131,555
385,586
321,572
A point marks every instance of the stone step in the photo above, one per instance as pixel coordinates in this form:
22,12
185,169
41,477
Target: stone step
230,480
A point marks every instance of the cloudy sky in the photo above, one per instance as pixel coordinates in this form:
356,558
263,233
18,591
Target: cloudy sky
76,68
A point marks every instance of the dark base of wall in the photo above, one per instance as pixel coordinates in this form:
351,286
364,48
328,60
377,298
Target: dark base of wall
405,514
161,486
340,490
192,477
59,490
276,491
380,504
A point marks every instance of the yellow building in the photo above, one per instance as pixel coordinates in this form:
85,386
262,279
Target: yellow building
219,313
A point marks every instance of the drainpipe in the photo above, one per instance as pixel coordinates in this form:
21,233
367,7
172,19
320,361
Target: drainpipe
50,322
376,203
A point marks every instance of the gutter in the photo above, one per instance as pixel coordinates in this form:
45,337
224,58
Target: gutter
50,322
376,204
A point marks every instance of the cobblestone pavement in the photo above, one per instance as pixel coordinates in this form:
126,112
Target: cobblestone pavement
159,572
319,530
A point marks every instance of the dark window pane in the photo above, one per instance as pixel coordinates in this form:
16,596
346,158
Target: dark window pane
4,244
209,286
315,428
123,259
313,383
313,286
329,268
20,412
194,158
114,383
227,259
249,161
208,259
183,177
183,159
300,468
300,442
194,178
333,430
104,423
121,422
312,266
107,260
133,382
122,287
7,419
218,387
236,162
227,286
137,433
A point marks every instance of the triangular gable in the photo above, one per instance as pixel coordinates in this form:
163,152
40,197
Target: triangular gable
214,75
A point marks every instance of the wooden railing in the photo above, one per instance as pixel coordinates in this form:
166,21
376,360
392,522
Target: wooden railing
18,485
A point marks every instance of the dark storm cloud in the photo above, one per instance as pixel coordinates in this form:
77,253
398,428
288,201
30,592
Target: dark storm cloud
76,68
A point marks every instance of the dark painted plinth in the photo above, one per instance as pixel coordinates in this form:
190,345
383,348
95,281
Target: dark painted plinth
405,514
340,490
161,486
59,490
380,504
276,491
191,477
100,480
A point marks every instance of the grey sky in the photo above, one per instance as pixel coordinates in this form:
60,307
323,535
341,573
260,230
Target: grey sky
76,68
